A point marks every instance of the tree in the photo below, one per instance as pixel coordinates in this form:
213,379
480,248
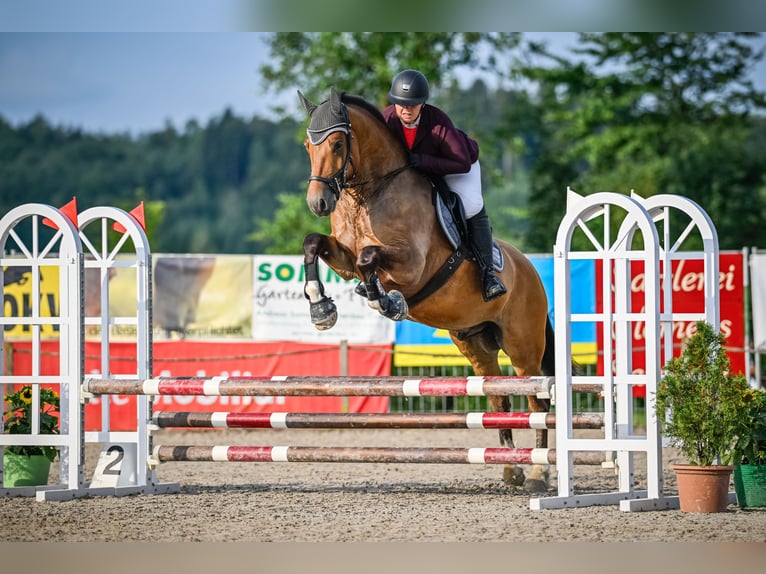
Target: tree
291,223
658,113
363,63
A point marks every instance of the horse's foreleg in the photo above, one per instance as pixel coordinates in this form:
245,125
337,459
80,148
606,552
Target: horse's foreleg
391,304
324,313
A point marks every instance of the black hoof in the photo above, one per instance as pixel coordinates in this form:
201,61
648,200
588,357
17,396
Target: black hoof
395,306
324,313
360,289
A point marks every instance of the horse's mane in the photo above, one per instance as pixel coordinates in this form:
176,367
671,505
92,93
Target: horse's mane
362,103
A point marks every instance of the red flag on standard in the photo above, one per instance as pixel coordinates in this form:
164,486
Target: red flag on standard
70,210
138,214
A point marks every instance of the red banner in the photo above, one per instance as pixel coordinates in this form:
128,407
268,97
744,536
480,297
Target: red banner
225,358
688,297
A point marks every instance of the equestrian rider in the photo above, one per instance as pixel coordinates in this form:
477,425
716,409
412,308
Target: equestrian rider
437,147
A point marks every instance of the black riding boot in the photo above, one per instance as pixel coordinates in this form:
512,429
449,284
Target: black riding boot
481,241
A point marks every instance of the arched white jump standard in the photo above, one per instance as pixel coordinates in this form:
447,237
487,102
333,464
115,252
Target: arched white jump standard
74,250
35,238
616,251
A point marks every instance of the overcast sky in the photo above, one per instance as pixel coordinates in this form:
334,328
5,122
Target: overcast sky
136,82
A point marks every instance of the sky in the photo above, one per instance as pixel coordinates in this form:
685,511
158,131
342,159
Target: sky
133,82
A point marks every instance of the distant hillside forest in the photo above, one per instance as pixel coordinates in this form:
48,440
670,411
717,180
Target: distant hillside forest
202,187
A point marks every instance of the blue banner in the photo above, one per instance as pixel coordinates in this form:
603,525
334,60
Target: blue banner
420,345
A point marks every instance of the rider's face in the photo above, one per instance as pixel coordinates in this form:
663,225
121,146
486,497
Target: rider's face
408,114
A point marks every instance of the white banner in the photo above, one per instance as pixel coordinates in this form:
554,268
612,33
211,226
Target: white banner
281,312
758,297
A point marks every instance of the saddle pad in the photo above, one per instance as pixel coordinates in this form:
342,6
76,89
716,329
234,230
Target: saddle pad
450,228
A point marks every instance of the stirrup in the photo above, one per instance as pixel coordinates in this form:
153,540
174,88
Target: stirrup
492,287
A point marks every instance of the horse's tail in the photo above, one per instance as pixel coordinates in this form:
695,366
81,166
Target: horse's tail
548,364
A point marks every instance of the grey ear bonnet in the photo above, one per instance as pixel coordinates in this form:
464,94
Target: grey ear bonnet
328,117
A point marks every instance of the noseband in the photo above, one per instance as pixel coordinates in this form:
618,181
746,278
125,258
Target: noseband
337,181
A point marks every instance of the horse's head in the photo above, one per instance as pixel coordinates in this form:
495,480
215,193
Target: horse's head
328,144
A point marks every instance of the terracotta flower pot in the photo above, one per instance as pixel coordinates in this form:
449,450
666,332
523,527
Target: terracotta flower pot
703,488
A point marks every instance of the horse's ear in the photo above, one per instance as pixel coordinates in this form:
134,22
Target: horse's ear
309,107
335,97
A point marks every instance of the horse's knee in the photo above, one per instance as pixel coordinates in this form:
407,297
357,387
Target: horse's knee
367,260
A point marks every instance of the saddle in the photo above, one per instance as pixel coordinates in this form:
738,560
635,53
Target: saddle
451,216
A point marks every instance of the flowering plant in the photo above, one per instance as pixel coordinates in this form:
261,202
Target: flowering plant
18,419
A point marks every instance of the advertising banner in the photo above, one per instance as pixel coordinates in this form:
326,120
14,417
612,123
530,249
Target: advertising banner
206,359
202,297
281,311
688,293
17,299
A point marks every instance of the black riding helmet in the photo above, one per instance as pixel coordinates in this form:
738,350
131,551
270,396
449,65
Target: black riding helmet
408,88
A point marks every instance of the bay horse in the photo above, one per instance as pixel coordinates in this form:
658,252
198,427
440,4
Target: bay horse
385,232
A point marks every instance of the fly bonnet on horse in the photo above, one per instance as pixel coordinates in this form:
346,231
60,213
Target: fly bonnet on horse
328,117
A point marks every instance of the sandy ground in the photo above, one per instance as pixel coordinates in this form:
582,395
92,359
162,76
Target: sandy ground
343,502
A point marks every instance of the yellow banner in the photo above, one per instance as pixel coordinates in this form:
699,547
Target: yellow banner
449,356
17,300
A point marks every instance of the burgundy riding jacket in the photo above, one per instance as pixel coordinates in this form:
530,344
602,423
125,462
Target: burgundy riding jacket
443,148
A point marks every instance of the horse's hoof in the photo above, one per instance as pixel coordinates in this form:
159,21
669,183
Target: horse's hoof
513,476
361,290
535,485
537,480
324,313
396,307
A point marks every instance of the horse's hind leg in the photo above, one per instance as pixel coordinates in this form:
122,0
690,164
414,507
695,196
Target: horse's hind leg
538,478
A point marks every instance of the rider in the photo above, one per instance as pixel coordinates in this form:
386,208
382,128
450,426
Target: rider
437,147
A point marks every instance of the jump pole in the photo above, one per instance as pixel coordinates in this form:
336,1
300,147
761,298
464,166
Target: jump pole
477,386
276,420
436,455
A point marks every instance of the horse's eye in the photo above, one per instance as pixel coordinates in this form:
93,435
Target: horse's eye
337,147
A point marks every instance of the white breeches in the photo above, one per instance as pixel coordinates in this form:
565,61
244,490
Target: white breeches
468,187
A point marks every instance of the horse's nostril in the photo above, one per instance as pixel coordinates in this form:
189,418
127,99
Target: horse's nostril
322,206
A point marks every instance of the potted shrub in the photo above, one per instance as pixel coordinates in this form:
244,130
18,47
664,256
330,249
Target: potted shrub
750,452
25,465
704,404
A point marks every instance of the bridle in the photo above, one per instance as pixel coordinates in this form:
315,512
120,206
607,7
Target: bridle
337,181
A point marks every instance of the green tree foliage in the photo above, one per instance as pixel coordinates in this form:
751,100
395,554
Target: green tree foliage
363,63
658,113
284,233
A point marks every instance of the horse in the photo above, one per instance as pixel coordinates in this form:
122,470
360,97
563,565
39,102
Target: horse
386,234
